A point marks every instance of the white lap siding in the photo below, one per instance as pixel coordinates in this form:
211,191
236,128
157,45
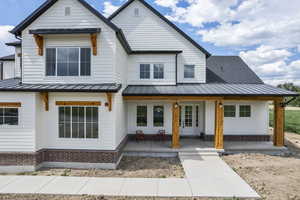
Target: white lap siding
257,124
102,65
149,32
51,140
20,138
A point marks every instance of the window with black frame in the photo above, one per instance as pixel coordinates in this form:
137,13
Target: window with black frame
158,116
68,61
78,122
158,71
144,71
245,111
229,110
9,116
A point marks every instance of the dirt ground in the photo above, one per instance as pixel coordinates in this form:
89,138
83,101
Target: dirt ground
273,177
137,167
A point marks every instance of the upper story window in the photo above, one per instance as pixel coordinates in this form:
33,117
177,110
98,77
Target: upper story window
9,116
245,111
151,71
63,61
67,11
189,71
158,71
136,12
145,71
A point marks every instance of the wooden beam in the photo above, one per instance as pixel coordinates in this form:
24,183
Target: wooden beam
219,125
175,126
45,98
39,40
94,43
278,136
109,101
10,104
78,103
174,98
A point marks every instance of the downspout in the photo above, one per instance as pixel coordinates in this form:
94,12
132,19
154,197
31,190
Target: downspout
21,62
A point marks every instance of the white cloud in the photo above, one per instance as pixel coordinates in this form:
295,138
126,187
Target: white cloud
109,8
167,3
273,64
5,37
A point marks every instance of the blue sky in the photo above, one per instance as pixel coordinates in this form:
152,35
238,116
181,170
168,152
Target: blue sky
265,33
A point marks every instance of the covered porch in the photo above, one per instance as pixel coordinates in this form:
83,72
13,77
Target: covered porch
217,95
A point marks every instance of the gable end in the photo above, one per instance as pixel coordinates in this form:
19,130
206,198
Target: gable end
164,19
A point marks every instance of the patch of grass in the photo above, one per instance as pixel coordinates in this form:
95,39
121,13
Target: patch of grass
292,120
66,172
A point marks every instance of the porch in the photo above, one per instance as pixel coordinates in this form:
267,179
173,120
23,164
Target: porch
195,145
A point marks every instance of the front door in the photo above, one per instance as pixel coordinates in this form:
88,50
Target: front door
186,119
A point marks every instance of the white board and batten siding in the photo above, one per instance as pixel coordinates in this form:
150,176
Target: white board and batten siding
257,124
19,138
149,32
134,69
102,66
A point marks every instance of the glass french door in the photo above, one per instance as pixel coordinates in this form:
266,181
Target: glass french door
186,119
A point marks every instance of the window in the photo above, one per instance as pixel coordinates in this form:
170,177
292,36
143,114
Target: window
68,61
141,116
197,116
245,111
9,116
158,71
78,122
145,71
158,116
229,110
189,71
67,11
136,12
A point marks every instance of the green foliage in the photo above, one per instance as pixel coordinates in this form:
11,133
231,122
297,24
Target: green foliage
294,88
292,120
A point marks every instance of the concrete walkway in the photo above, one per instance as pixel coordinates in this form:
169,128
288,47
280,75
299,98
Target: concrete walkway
206,176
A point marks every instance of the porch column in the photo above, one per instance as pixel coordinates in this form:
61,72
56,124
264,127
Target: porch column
175,125
278,135
219,121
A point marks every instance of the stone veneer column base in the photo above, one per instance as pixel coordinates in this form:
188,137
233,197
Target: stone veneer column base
14,162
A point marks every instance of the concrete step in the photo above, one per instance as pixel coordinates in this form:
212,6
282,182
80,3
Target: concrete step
198,153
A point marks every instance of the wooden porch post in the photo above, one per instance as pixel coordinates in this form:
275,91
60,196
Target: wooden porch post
219,121
278,136
175,126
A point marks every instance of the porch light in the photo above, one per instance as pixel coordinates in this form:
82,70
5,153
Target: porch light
221,105
176,105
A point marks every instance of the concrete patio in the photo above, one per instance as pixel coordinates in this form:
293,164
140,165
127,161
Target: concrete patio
206,176
197,145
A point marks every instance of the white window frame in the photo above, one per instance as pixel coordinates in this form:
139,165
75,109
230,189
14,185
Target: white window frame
188,78
236,110
79,61
239,114
151,78
85,138
7,125
163,115
136,115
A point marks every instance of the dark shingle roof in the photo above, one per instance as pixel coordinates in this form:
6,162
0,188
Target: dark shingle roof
15,85
8,58
207,90
229,69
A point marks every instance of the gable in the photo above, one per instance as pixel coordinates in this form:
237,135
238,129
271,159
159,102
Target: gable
49,4
131,4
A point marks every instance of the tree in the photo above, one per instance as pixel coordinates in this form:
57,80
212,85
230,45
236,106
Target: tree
293,88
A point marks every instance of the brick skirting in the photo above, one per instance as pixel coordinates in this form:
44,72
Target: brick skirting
245,138
62,155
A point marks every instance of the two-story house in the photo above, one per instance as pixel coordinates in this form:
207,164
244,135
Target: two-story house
87,82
